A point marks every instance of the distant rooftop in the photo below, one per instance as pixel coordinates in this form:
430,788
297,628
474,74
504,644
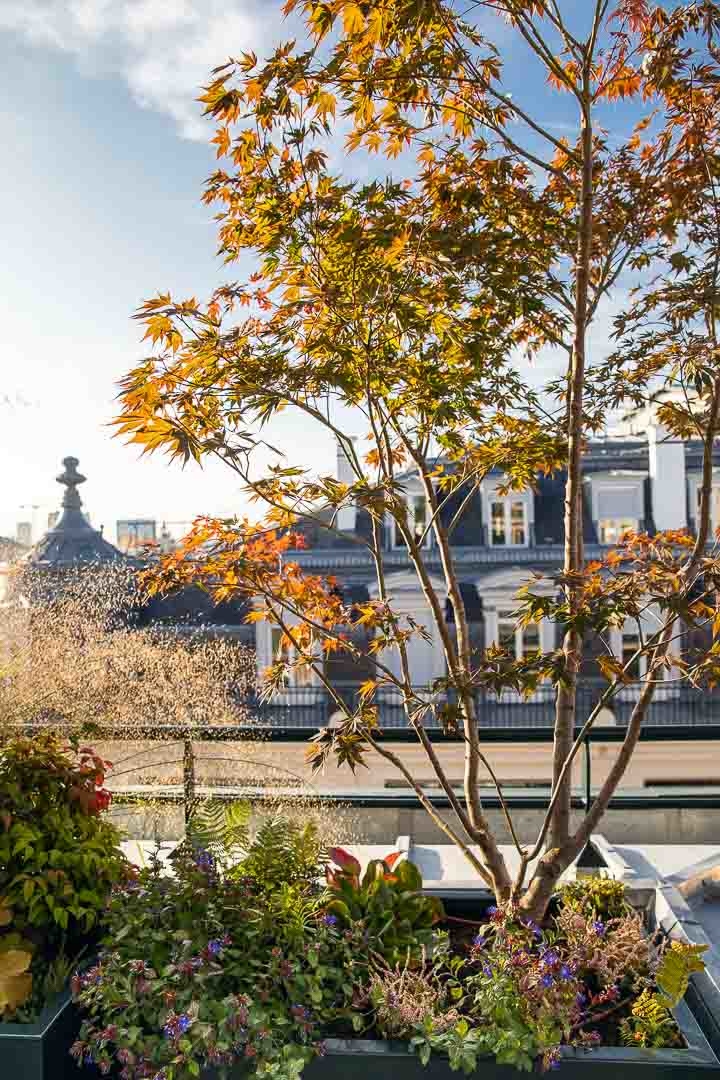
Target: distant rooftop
72,541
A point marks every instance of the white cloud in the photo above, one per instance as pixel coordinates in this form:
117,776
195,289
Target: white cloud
163,49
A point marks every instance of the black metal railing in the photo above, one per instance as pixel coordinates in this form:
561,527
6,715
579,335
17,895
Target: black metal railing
313,707
186,740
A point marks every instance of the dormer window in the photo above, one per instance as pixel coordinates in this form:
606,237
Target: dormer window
617,503
695,483
417,518
508,522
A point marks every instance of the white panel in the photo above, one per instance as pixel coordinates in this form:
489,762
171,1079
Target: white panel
620,502
667,476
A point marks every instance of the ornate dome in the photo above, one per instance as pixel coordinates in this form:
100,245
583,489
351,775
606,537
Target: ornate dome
72,541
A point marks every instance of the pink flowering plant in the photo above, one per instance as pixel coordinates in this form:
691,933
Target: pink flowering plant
202,970
523,991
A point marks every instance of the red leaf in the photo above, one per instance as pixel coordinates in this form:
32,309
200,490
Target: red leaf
392,858
344,860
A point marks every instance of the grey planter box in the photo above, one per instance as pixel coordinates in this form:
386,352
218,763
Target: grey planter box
359,1059
40,1051
364,1060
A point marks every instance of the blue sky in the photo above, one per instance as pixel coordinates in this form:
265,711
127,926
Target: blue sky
105,154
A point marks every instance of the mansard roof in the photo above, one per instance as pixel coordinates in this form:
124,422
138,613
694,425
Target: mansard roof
626,455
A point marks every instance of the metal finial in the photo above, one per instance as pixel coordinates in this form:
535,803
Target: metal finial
71,478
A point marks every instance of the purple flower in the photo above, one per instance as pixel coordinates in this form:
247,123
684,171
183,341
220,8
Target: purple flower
581,1000
214,947
487,970
492,911
330,920
547,981
599,927
204,860
549,959
566,972
176,1026
551,1058
479,940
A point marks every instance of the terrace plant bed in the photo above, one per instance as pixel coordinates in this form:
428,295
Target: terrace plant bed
360,1059
244,965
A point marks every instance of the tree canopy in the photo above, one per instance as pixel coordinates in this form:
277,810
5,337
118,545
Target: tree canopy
409,297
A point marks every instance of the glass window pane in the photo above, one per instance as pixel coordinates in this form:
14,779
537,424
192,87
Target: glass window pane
517,522
610,530
506,632
303,675
630,645
497,522
419,516
531,638
714,505
280,650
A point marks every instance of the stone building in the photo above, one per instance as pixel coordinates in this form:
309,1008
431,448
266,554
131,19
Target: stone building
639,479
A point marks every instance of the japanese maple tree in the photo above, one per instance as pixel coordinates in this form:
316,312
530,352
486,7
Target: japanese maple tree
409,299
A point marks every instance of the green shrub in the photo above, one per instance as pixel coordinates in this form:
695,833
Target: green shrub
59,856
201,970
596,898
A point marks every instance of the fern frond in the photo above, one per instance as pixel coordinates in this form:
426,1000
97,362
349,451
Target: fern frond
678,963
649,1009
219,827
283,852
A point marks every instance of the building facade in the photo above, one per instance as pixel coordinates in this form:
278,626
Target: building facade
639,479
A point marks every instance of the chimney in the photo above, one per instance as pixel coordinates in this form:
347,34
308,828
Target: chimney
667,478
346,515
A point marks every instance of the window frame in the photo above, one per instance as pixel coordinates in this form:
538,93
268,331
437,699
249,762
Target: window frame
504,615
622,525
694,482
308,677
410,499
508,502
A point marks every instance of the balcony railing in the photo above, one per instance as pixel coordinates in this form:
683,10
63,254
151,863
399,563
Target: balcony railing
313,707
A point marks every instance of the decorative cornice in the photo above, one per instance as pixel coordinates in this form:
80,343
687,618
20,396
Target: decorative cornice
344,559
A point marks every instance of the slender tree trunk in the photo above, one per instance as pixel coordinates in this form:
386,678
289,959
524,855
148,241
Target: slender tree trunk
573,556
477,827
